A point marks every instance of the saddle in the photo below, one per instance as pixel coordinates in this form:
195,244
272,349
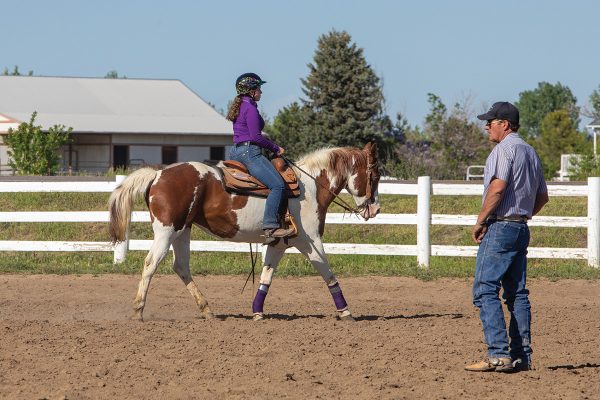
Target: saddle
237,179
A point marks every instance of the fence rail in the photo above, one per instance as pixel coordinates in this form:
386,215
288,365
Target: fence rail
423,219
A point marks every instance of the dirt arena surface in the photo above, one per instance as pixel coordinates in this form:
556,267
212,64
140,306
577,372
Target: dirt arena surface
70,337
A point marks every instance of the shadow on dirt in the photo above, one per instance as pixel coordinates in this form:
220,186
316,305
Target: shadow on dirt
571,366
384,317
281,317
285,317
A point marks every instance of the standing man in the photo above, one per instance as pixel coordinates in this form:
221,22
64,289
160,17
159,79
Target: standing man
514,191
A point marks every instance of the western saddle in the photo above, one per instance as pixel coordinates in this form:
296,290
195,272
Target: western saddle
237,179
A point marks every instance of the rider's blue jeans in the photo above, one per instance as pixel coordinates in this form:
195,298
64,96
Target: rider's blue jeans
264,171
502,262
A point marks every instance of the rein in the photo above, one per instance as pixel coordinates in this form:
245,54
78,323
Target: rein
341,203
251,273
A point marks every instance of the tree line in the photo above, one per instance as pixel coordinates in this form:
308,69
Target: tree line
344,105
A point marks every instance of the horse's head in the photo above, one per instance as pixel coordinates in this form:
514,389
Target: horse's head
363,182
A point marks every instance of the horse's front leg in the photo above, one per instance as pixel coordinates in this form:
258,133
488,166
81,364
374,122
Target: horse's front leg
313,250
272,258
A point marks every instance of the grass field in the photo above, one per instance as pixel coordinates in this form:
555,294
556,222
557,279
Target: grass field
237,263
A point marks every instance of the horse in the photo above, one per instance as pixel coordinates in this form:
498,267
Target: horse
192,193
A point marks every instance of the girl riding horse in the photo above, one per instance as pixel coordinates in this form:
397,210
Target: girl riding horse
192,193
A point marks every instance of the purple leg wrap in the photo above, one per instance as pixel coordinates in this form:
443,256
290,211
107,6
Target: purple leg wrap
259,299
338,297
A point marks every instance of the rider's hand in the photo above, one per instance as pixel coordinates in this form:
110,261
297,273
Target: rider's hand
281,151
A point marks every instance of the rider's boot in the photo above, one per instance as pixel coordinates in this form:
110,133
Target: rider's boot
273,234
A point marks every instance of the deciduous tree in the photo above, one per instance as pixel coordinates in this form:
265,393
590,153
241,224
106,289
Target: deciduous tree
32,151
535,104
15,72
558,136
291,129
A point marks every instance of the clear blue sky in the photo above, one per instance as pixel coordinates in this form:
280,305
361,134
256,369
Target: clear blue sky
484,50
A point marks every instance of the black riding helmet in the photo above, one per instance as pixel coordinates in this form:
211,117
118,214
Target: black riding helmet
247,82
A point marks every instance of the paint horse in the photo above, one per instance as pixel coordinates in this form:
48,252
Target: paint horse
192,193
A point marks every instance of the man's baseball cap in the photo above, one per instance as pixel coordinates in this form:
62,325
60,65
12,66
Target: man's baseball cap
501,110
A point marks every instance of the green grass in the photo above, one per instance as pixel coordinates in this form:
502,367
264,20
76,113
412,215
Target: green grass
292,264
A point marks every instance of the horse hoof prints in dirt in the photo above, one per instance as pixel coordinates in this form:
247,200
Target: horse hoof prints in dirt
192,193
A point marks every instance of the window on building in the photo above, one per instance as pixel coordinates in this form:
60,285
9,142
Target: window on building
169,155
217,153
120,156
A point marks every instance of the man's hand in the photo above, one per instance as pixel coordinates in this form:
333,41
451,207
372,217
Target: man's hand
478,232
281,151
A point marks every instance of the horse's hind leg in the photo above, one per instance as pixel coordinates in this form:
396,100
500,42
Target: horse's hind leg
158,251
316,255
272,258
181,266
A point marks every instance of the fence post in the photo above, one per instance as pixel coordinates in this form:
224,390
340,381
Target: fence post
423,221
593,237
120,251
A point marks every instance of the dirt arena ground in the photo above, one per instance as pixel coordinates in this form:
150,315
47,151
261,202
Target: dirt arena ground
70,337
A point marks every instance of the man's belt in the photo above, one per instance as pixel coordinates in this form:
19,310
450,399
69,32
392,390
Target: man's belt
247,143
522,219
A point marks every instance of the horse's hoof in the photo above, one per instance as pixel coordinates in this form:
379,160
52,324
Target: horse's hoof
258,317
208,315
346,315
137,318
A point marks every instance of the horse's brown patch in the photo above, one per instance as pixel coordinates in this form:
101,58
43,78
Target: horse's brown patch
324,198
171,196
239,201
215,208
183,196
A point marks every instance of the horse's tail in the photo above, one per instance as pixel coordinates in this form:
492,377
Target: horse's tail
121,201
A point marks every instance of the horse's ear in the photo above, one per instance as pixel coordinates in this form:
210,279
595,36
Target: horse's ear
374,149
371,150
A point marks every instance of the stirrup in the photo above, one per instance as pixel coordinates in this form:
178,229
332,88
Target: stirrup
277,233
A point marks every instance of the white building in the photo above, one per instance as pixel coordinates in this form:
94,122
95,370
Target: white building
116,122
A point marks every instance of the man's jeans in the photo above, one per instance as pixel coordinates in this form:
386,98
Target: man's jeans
264,171
502,261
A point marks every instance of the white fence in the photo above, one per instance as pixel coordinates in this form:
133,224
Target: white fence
423,219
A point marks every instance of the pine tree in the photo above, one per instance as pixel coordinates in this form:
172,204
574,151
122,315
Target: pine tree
344,96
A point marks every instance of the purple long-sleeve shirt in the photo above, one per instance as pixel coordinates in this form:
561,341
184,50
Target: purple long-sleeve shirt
249,124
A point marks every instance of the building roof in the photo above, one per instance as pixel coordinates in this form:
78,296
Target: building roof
594,124
99,105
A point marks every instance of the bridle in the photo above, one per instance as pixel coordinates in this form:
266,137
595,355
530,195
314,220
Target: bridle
336,198
369,190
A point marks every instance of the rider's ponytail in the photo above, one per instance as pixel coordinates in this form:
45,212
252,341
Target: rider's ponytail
234,108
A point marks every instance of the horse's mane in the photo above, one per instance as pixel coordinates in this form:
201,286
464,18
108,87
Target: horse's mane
338,159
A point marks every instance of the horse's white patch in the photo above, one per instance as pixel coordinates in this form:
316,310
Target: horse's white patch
353,190
204,169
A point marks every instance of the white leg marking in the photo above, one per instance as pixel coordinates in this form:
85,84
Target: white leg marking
160,246
181,266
